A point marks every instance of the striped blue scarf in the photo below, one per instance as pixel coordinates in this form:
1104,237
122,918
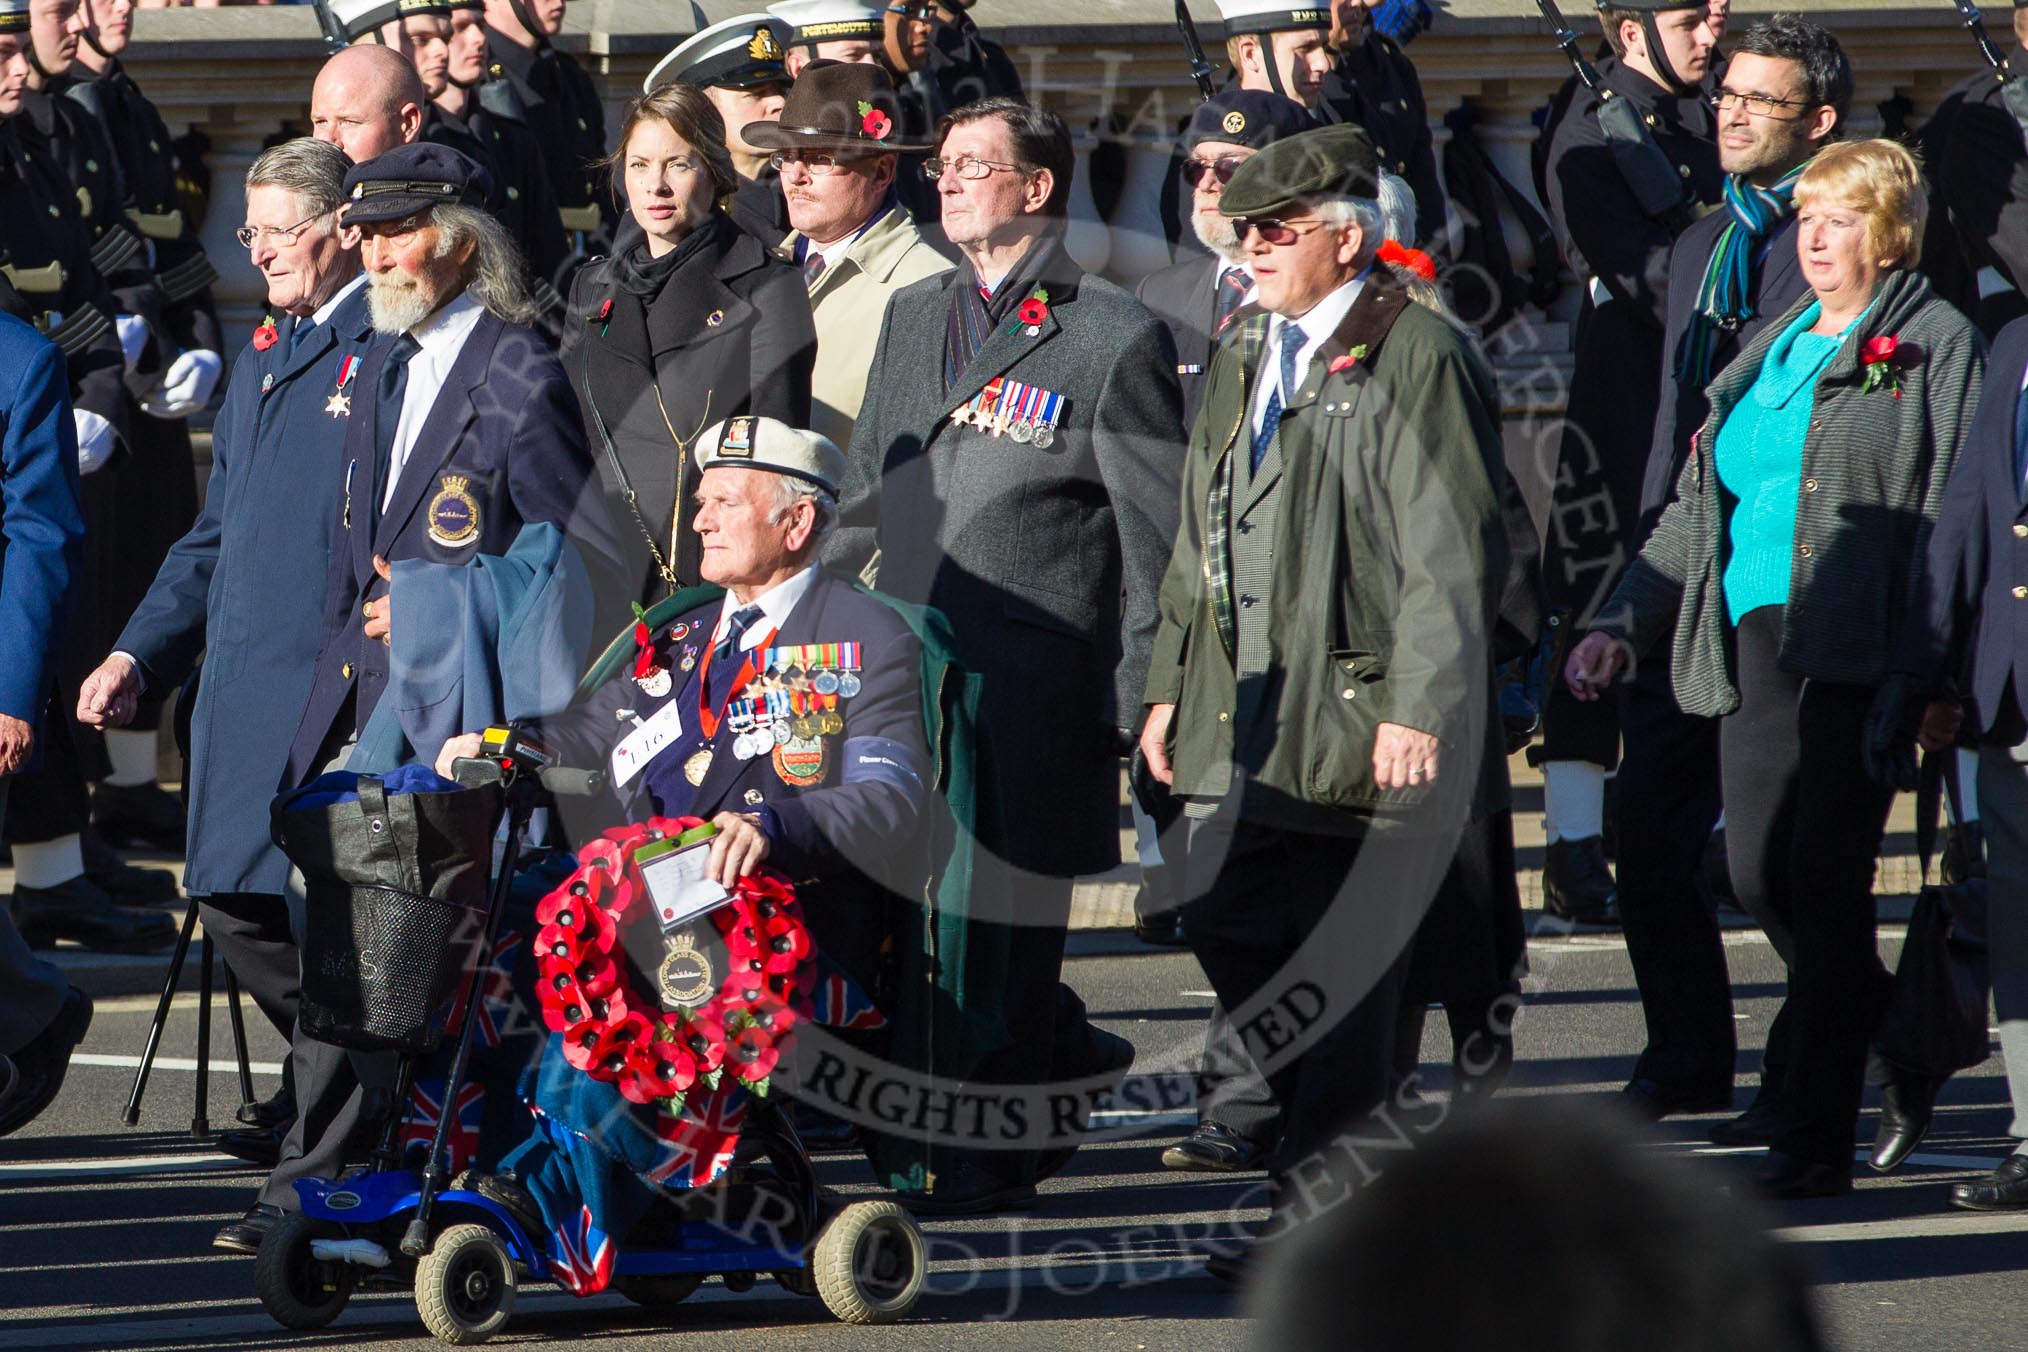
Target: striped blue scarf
1724,301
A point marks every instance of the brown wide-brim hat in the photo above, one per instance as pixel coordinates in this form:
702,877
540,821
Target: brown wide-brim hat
844,108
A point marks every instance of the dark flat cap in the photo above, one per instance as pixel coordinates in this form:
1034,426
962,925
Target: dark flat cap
1248,117
1334,161
412,178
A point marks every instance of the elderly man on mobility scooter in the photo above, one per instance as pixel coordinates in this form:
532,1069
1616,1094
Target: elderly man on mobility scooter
787,714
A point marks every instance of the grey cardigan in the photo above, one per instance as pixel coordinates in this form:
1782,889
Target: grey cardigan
1873,476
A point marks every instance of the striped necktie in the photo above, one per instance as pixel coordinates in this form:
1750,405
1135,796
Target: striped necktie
1233,284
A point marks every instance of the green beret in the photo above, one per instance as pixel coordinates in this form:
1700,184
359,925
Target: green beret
1333,161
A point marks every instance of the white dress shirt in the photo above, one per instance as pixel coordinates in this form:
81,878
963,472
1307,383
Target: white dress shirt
442,337
775,603
1316,326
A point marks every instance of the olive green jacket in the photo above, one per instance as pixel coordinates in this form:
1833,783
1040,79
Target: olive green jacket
1391,557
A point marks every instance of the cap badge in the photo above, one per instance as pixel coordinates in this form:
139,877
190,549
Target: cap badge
764,47
454,514
738,442
1235,122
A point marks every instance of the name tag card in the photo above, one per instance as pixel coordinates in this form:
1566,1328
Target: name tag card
677,882
646,742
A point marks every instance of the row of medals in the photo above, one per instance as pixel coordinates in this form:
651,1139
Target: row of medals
991,411
758,729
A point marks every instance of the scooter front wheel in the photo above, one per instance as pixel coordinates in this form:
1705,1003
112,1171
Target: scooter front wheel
299,1289
464,1286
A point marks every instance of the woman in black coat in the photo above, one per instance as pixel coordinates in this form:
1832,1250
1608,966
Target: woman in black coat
690,322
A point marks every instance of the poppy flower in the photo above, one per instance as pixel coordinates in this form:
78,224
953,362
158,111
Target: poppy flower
874,122
752,1054
554,942
1032,312
656,1070
773,1015
742,989
267,335
1880,349
785,943
700,1035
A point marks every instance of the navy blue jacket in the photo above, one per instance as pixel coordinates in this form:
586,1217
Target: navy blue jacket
1970,607
502,446
848,835
41,524
242,588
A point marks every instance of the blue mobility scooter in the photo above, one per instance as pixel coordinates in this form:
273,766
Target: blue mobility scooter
464,1248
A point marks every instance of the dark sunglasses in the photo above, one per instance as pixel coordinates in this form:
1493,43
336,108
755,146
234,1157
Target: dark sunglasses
1194,171
1273,231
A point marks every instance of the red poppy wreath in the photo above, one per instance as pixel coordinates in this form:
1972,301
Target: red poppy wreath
618,1032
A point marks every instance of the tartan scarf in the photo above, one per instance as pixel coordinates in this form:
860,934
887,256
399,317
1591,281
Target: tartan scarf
973,314
1723,299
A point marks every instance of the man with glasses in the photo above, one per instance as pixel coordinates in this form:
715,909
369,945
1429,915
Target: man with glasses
1015,464
245,586
1784,96
1319,695
854,242
738,65
1618,225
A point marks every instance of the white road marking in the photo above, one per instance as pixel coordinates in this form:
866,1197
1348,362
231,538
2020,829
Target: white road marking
119,1167
220,1065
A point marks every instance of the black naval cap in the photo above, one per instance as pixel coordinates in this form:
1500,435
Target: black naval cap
412,178
1333,161
1248,117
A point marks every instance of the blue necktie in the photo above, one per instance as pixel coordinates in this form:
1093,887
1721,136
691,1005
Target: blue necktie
387,413
719,688
2021,437
298,331
1291,339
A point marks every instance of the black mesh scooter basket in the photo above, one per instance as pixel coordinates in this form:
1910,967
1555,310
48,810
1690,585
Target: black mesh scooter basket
397,890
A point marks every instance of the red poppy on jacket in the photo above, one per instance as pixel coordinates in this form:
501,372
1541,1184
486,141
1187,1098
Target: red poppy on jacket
1032,311
267,335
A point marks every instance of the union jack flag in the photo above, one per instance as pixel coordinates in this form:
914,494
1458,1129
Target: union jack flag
697,1144
498,1002
419,1125
841,1004
584,1257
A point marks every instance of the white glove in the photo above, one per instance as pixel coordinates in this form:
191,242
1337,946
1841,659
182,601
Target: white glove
186,386
133,332
95,440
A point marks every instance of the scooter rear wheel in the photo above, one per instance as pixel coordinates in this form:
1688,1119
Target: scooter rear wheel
869,1263
299,1289
464,1286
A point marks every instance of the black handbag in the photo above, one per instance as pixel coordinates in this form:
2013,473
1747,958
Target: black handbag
1935,1024
396,885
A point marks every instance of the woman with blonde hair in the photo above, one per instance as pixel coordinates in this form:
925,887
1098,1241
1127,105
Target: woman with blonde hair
1786,563
690,322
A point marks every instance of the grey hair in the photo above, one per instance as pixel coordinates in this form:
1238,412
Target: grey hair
311,171
1338,212
790,490
495,273
1397,208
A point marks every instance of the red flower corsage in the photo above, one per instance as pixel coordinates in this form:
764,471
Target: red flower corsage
873,122
267,335
1348,361
1031,312
1879,358
1415,260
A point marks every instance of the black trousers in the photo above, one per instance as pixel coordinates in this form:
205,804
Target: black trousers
1315,926
1803,822
1575,731
1669,802
251,932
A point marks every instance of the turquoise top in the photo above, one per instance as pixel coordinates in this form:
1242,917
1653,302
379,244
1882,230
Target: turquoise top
1759,458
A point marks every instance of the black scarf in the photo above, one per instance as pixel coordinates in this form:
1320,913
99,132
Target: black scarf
643,277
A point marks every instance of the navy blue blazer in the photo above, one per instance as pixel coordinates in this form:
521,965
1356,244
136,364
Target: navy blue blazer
41,524
848,837
1970,606
502,446
242,588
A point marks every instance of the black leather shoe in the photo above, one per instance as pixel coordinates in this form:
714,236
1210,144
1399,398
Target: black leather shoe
1786,1178
1215,1148
126,883
40,1066
80,910
1576,883
1165,930
973,1185
1651,1101
1106,1054
139,816
244,1234
2005,1189
1755,1126
278,1110
255,1145
505,1190
1906,1105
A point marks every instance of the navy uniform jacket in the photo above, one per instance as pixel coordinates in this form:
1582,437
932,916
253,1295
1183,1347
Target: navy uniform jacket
522,199
569,121
505,428
41,526
847,836
1967,605
242,588
1184,297
1374,86
1615,391
1977,162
